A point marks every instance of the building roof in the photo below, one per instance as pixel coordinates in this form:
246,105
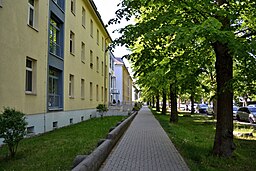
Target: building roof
99,17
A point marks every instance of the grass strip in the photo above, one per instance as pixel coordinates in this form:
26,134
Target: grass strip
56,150
193,136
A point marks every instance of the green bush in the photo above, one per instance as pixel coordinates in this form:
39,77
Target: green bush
102,108
12,128
137,106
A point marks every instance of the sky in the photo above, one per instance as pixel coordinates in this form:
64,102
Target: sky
107,9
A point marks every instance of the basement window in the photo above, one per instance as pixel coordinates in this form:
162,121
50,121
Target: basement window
55,125
71,121
82,118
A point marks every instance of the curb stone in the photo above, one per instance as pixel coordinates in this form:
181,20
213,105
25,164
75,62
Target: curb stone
93,161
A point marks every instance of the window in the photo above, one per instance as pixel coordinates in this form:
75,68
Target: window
60,3
73,6
54,36
97,92
102,93
98,36
82,52
91,28
71,86
1,3
30,75
72,42
91,94
102,43
54,89
97,64
83,17
31,130
71,121
82,118
31,13
91,59
82,88
102,68
55,125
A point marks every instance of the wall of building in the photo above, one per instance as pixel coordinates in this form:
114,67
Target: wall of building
20,41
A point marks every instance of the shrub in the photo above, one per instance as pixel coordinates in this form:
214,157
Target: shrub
101,108
12,128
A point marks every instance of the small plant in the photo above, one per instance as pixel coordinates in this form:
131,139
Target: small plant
12,128
101,108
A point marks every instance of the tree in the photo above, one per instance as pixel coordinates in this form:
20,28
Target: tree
12,128
225,27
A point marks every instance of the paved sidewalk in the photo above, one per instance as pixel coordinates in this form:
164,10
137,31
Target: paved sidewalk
145,147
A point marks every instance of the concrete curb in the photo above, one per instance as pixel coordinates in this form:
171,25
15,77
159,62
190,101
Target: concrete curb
93,161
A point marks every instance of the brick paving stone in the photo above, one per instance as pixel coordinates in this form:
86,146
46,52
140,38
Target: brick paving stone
145,147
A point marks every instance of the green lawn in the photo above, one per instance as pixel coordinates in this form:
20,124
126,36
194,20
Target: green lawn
193,136
56,150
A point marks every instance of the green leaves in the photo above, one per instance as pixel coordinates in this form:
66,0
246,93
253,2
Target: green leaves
12,128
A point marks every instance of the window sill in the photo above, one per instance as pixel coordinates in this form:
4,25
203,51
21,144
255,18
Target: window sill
84,26
83,61
72,53
30,93
73,12
33,28
71,97
82,98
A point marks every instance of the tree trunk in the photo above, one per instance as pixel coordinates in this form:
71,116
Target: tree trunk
153,101
174,112
157,102
223,143
164,103
192,99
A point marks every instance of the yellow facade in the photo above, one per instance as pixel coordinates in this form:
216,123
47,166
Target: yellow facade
20,41
81,69
127,86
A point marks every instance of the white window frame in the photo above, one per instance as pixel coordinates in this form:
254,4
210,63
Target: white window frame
91,31
71,86
82,51
72,43
73,6
97,92
31,7
97,64
83,17
82,89
91,59
91,91
98,36
31,69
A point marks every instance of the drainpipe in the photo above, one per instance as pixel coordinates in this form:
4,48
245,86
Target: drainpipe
105,71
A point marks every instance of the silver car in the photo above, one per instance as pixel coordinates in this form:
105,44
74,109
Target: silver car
246,114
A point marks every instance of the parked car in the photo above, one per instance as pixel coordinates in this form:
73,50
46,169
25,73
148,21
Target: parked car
210,110
201,108
246,114
235,109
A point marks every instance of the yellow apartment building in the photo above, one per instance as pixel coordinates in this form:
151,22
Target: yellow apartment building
53,61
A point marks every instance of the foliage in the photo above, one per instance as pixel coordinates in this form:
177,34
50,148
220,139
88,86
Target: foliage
186,37
12,128
102,108
196,148
56,150
137,106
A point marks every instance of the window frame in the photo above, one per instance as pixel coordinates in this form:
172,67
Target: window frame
32,70
91,59
31,7
91,91
73,7
98,37
82,89
71,86
72,43
83,17
91,28
83,52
